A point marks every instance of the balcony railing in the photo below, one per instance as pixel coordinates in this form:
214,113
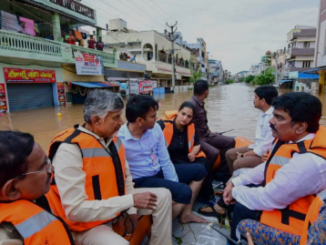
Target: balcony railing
23,46
24,43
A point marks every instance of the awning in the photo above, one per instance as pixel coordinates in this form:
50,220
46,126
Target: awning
286,81
308,76
314,71
95,84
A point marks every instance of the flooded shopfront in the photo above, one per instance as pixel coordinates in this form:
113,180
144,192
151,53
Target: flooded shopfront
229,107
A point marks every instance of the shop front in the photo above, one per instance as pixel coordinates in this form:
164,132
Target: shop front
26,89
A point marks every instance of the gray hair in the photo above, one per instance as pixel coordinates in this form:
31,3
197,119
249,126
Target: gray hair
100,102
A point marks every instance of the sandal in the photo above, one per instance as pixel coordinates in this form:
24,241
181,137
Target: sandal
214,213
207,202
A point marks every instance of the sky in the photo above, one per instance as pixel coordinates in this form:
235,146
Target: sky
237,32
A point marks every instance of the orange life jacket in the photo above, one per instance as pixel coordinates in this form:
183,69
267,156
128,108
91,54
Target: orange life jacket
168,131
312,215
291,219
105,178
34,224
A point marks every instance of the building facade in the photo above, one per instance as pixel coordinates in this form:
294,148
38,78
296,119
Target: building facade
152,49
320,52
301,48
37,68
216,70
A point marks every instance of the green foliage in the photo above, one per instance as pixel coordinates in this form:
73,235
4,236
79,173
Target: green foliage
241,79
229,81
195,74
249,79
264,79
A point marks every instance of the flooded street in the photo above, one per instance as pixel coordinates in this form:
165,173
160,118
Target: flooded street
228,106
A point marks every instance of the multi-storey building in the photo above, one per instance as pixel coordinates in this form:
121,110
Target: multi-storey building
216,70
301,48
152,49
37,68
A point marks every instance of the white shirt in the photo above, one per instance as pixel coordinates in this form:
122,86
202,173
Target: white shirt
263,135
305,174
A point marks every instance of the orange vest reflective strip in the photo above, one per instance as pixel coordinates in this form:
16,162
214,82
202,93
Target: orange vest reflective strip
168,132
292,218
104,179
312,215
34,224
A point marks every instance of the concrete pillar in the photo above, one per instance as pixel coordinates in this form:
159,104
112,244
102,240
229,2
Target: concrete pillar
98,33
322,77
56,27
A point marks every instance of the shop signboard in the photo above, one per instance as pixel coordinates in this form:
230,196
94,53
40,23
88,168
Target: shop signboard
61,93
3,98
76,7
18,75
145,87
88,64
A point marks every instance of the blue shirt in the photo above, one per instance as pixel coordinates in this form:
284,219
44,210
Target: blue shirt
146,156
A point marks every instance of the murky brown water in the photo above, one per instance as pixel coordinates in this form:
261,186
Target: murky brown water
229,107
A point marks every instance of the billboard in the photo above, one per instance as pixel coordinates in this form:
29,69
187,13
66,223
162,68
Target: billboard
88,64
19,75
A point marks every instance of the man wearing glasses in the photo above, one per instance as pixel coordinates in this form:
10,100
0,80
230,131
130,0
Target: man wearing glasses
93,187
24,177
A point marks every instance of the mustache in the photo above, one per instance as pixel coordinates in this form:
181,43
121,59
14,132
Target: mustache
273,127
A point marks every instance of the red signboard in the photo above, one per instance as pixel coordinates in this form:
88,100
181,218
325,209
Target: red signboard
145,87
3,98
61,93
29,76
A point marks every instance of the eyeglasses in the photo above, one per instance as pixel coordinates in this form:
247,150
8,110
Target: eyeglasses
47,167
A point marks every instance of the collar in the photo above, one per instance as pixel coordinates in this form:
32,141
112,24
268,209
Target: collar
175,129
307,137
269,111
83,129
198,101
128,135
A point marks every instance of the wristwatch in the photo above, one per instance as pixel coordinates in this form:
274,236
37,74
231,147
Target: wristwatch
242,155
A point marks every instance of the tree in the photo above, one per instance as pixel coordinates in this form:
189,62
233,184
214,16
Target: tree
229,81
249,79
195,74
265,79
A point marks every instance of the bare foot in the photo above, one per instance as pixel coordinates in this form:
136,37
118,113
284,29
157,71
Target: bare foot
191,218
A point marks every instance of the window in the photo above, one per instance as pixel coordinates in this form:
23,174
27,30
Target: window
148,52
306,44
156,51
306,64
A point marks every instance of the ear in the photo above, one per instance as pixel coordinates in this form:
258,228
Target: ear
96,121
10,191
301,127
140,121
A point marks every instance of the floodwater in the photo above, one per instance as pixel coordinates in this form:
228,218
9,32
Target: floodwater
228,107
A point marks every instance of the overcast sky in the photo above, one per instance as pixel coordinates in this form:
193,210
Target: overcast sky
237,32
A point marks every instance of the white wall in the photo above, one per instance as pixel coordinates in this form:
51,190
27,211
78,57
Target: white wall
321,57
153,38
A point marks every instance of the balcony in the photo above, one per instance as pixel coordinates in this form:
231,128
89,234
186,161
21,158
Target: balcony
167,68
21,46
301,52
299,69
297,33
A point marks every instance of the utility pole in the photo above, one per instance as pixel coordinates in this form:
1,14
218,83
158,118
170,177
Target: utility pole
170,36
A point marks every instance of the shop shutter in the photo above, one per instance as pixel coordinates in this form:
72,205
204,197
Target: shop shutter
29,96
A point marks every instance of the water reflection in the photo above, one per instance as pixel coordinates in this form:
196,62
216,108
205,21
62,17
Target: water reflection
229,107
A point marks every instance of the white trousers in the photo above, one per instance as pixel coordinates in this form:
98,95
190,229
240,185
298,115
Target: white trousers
161,232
